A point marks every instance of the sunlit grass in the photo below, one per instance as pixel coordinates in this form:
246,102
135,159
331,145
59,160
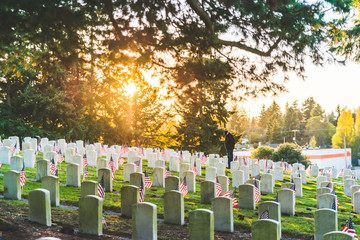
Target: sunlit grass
300,225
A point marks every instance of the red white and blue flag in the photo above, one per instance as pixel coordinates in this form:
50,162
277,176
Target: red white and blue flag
257,193
183,187
101,188
86,174
218,188
85,161
22,176
142,192
194,169
60,157
148,183
52,166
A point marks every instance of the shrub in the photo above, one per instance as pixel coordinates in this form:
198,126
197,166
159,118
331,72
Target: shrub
262,152
290,153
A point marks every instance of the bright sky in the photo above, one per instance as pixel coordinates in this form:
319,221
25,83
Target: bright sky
329,85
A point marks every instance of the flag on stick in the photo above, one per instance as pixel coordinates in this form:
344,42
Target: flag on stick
86,174
257,193
22,176
148,183
141,191
183,187
101,188
218,188
52,166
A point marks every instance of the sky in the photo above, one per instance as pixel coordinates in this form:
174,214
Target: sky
330,85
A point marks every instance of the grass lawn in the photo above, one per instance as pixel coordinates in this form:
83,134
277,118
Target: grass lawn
300,226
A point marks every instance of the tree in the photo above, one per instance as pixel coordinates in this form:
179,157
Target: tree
262,152
321,130
312,142
355,150
292,120
290,153
344,130
308,106
317,111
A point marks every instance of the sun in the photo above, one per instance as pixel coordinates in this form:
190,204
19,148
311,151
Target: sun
130,89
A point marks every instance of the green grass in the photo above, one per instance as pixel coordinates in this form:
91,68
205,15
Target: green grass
300,226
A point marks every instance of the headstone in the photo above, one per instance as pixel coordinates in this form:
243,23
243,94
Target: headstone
159,177
337,235
91,157
347,187
90,222
220,169
174,164
39,206
223,214
298,186
171,183
274,211
151,159
89,188
78,159
267,183
42,169
326,200
303,176
136,178
210,173
201,224
237,178
29,158
278,174
51,183
174,207
26,145
160,163
223,180
356,198
347,172
102,163
198,166
326,184
255,170
321,191
245,169
190,180
252,182
286,199
129,196
144,221
325,222
183,168
16,163
320,179
69,153
5,155
73,175
129,168
207,191
106,173
12,188
265,229
314,170
286,185
234,166
247,196
335,173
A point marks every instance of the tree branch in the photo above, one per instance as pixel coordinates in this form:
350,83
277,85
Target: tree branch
194,4
109,9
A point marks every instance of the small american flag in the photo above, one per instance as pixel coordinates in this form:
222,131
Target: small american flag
277,198
233,197
55,148
22,176
340,174
137,164
167,172
141,191
14,148
203,159
103,150
103,221
52,166
39,148
60,157
218,188
257,193
148,183
183,187
0,165
56,173
86,174
350,228
194,168
181,156
308,171
111,163
101,188
113,171
121,161
226,194
163,153
85,161
345,228
264,215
